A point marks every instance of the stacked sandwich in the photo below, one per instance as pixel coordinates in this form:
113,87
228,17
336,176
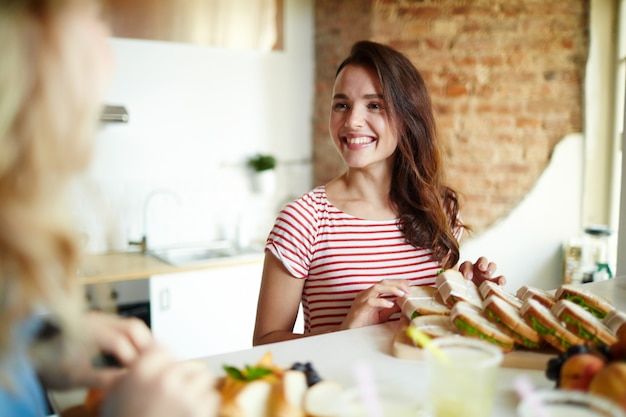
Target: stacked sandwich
529,319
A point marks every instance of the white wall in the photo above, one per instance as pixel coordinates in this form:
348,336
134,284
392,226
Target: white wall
527,244
196,113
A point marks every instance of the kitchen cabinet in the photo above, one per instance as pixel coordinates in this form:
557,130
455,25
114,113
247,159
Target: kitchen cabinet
205,312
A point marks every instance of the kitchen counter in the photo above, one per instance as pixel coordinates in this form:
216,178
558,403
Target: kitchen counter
337,356
126,266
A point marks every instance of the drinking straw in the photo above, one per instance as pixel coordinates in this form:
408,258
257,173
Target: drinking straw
526,391
423,340
367,389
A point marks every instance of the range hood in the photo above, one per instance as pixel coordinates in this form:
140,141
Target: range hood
114,114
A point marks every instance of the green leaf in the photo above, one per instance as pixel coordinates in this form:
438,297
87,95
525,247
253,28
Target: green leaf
234,373
256,372
250,373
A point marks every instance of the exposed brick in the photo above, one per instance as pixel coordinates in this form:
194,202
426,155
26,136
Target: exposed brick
418,12
505,79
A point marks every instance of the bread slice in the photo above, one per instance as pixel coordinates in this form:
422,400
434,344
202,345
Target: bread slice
287,397
540,318
581,322
435,325
615,320
454,287
594,303
488,288
422,301
470,321
510,321
526,292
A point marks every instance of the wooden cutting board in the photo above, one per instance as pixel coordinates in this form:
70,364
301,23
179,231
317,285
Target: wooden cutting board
404,348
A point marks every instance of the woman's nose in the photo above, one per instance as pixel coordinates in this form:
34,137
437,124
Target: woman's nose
355,119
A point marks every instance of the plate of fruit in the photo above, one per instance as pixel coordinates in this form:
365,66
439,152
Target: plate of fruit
597,369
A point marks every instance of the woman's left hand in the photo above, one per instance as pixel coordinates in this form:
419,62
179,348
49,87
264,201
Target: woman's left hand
369,307
480,271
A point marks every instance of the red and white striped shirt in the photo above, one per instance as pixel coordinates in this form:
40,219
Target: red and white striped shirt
340,255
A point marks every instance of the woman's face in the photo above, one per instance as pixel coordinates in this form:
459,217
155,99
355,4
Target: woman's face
359,120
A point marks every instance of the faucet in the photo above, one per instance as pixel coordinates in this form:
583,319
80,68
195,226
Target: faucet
143,243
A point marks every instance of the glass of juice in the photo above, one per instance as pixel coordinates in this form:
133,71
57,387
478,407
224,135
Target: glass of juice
461,374
566,403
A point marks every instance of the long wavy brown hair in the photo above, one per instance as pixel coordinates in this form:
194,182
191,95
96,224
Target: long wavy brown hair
48,115
428,208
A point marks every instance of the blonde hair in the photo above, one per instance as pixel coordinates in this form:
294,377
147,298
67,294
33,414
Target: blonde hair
48,113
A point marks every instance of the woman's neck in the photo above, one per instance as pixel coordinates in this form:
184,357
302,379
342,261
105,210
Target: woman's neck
361,195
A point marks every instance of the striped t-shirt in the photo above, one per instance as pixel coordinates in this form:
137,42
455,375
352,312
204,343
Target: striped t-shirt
340,255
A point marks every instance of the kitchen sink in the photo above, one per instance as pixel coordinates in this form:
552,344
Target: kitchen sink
200,254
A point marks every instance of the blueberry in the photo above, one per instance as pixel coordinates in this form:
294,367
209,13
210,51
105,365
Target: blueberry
298,367
577,349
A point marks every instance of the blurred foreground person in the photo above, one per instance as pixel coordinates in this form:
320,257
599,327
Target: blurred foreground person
54,69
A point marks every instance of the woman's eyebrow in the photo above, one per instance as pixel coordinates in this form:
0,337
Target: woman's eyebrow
342,96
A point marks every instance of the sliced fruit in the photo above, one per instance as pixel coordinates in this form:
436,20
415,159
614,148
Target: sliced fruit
610,383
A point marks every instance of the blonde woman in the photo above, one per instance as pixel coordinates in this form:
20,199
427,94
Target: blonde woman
55,65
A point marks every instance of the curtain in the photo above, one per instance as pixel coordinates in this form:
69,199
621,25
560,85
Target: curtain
242,24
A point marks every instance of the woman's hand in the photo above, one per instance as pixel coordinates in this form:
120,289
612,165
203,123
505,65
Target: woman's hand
157,386
481,271
123,338
370,308
65,367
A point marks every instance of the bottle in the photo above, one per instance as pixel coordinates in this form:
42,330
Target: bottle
595,254
572,261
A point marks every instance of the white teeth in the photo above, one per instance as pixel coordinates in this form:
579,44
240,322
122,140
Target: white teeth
359,141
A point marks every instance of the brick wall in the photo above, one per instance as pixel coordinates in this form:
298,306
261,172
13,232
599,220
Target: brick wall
506,80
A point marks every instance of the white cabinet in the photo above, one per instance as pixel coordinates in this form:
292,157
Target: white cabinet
205,312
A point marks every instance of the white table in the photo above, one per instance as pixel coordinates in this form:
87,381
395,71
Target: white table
336,355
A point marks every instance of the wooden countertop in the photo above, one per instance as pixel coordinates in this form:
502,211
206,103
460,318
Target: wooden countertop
125,266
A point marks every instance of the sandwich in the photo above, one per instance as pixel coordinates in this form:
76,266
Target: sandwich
422,301
454,287
595,304
435,325
470,321
488,288
510,321
581,322
540,318
615,321
544,297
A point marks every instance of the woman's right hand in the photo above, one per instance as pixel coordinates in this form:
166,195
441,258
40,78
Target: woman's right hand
155,385
370,308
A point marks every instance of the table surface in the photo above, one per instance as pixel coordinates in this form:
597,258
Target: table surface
340,355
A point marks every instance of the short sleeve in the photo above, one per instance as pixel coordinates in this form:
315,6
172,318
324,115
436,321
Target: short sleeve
293,236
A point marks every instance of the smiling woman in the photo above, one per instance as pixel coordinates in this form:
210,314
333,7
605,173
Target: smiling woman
240,24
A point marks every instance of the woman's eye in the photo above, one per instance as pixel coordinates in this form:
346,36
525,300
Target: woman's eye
375,106
340,106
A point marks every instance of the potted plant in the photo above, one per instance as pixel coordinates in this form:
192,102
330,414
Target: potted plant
261,162
263,174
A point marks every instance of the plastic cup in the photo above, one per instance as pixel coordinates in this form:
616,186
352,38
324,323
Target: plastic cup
464,381
566,403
